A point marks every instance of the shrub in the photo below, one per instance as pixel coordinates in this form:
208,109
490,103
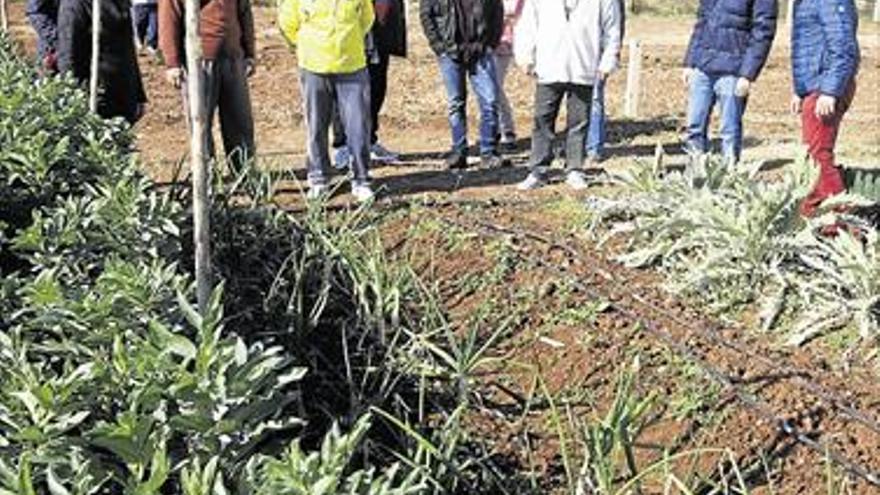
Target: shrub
734,239
50,145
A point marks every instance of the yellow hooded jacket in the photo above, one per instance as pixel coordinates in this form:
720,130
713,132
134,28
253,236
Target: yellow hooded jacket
329,35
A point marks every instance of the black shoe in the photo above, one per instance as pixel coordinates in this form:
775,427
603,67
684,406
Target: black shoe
508,147
493,161
456,160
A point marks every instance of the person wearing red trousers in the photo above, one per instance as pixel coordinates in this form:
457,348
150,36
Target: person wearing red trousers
825,61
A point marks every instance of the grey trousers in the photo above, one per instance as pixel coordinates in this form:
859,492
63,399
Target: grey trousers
548,99
226,90
350,93
506,125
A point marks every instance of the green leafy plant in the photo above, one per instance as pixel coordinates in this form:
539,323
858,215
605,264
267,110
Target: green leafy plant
841,284
327,471
609,439
733,239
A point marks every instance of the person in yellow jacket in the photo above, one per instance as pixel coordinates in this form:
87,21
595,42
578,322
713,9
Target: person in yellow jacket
329,36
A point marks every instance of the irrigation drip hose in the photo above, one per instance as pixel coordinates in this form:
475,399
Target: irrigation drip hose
399,203
749,400
712,333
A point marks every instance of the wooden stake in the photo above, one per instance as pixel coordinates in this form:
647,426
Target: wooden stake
96,55
633,80
195,82
4,16
631,6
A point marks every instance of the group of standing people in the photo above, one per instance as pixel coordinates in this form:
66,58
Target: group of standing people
569,47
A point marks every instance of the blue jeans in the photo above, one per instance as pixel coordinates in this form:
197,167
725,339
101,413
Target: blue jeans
705,91
485,86
146,24
596,134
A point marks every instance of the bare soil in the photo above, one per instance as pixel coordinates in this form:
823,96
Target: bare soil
576,319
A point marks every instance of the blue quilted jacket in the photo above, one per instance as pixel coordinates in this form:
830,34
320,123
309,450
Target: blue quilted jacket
824,47
733,37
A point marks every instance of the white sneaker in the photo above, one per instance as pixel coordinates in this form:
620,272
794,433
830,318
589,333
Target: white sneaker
381,154
317,191
530,183
362,192
576,180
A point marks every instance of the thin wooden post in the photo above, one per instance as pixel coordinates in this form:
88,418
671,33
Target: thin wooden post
195,82
96,55
4,16
633,80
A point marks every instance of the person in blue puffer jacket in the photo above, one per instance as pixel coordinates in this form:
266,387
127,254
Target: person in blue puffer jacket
824,61
727,51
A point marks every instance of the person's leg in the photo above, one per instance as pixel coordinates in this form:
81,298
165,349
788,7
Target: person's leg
548,98
506,124
236,116
139,19
454,76
353,100
152,36
596,133
485,85
579,99
339,137
317,94
732,108
701,99
378,91
820,136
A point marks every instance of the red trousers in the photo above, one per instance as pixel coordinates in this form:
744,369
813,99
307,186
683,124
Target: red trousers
820,136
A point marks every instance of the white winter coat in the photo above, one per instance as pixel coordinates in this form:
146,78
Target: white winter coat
568,41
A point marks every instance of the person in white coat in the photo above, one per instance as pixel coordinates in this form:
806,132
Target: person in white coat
569,46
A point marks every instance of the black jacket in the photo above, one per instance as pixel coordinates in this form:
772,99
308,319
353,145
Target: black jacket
391,36
439,22
121,89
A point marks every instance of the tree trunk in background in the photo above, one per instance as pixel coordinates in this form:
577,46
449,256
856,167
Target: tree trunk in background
195,82
96,55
